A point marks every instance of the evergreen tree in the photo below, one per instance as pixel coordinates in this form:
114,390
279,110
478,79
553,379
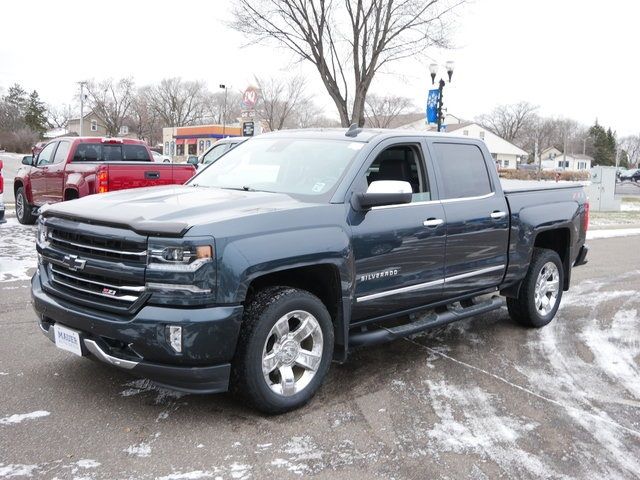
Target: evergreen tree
35,115
604,145
12,109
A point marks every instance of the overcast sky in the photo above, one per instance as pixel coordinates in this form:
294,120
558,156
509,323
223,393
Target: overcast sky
574,58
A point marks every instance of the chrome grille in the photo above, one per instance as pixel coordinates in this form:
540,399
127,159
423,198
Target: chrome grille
97,247
94,285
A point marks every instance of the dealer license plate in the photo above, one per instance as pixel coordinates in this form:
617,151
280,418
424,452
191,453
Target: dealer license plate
67,339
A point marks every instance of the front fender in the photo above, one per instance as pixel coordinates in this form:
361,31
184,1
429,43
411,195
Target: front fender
242,260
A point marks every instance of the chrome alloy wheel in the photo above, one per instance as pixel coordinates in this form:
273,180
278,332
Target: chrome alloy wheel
547,288
292,353
20,206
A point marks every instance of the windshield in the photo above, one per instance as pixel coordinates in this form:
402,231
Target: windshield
284,165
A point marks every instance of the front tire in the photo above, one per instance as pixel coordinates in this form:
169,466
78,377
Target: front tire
541,290
23,209
284,350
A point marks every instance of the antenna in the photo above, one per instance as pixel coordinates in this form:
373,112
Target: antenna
353,130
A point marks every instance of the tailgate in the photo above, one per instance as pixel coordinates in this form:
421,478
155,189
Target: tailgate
123,175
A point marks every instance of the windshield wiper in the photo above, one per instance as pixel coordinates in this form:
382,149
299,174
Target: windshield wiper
244,188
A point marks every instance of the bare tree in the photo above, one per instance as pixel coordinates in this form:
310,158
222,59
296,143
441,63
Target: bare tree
348,42
631,145
177,102
58,116
111,102
145,121
219,108
381,111
279,100
508,121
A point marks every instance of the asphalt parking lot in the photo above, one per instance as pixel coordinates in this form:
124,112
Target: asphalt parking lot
479,399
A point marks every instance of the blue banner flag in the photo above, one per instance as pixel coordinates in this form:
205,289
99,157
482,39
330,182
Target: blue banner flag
432,106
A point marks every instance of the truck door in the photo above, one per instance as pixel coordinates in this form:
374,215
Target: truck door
477,218
398,249
38,175
55,173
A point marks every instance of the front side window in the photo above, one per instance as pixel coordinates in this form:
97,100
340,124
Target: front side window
463,171
404,163
296,166
215,153
46,155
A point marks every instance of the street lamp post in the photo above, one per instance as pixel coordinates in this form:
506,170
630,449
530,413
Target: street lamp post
433,70
224,108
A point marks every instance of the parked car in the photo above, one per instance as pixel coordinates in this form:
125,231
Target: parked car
215,151
1,194
37,148
630,175
73,167
294,248
158,157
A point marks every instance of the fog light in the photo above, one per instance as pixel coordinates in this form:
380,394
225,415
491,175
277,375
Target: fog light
175,338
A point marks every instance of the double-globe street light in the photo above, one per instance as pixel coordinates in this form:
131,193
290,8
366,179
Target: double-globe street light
433,70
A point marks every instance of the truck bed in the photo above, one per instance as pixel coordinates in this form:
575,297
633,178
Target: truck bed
517,186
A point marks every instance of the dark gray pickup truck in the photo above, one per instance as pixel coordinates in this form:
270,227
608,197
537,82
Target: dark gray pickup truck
292,249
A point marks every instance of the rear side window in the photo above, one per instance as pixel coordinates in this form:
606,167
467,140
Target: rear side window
96,152
463,170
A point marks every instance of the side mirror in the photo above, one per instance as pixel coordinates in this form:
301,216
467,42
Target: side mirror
383,192
27,160
192,161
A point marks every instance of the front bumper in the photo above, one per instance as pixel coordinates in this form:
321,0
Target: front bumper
140,346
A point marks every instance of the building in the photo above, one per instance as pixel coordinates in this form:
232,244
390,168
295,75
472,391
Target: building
570,162
92,126
180,142
505,154
549,153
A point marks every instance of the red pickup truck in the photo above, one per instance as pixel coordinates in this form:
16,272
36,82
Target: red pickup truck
73,167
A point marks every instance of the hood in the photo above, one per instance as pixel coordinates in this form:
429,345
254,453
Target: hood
170,210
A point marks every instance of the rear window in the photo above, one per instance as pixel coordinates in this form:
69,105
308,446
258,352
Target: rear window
463,171
97,152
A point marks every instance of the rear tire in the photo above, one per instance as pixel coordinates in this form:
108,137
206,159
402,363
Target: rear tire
23,209
284,349
541,290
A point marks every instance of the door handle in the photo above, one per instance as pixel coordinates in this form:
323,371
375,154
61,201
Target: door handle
433,222
152,175
497,215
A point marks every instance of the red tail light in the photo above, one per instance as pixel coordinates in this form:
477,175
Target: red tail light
585,218
103,181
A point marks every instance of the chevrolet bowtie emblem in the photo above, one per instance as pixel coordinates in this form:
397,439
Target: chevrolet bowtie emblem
73,262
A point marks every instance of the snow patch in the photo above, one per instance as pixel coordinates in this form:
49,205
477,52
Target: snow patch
16,470
141,450
194,475
18,418
88,463
622,232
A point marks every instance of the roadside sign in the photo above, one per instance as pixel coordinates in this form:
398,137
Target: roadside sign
248,129
250,98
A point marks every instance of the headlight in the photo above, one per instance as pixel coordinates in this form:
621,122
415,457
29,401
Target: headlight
181,271
42,233
179,258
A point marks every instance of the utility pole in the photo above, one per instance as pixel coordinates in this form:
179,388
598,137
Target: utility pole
224,109
82,84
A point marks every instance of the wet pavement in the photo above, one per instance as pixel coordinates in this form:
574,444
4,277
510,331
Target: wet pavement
483,398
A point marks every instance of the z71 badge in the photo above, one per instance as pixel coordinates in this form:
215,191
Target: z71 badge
392,272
